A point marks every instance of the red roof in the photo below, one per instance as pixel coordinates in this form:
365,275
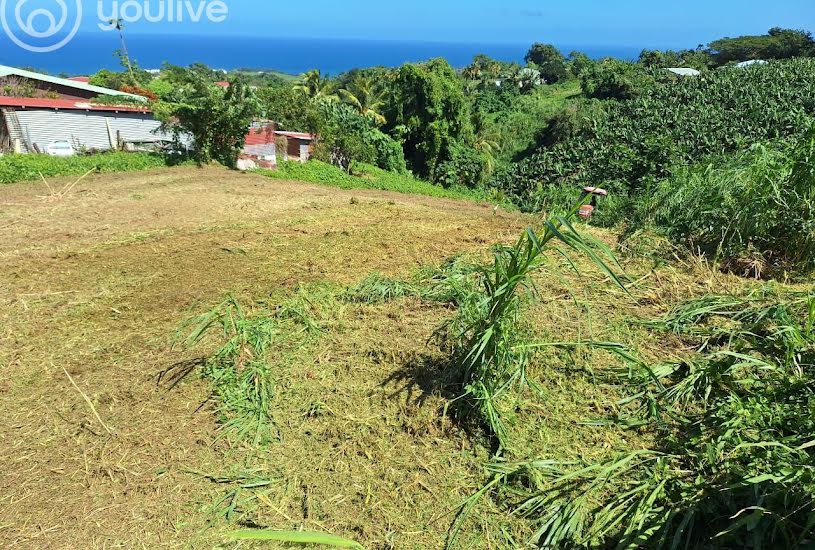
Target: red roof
297,135
67,104
83,79
222,84
262,137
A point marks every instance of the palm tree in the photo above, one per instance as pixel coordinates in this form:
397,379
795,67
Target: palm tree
119,26
314,85
486,141
365,97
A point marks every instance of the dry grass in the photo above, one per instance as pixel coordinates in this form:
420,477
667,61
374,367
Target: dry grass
98,283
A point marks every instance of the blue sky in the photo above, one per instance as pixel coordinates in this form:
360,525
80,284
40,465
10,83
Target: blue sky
651,23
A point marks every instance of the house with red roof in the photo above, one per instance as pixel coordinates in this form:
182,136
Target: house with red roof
264,142
37,110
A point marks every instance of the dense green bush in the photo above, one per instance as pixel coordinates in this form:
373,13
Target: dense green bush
428,112
614,79
518,126
347,137
679,122
754,212
466,167
14,168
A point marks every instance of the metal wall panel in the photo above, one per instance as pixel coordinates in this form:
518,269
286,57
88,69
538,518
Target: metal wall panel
84,129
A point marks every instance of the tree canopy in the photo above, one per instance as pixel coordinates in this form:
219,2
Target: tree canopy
428,111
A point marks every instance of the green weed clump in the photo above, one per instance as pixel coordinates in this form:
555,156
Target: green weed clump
488,338
298,537
241,369
755,213
16,168
735,467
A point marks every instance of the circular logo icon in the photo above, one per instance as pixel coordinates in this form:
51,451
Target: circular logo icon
40,30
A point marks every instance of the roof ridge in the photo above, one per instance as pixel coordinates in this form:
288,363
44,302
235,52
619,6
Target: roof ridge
6,70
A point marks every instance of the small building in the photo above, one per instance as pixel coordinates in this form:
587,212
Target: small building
298,145
683,71
22,83
28,125
37,110
260,148
264,142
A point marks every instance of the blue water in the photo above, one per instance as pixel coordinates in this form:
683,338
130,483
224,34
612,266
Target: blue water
88,53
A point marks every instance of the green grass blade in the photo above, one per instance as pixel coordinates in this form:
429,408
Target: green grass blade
297,537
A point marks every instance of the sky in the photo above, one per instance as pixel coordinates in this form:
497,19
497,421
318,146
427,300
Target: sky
644,23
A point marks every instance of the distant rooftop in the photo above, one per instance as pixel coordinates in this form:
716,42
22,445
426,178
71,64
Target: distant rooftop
751,62
684,71
67,82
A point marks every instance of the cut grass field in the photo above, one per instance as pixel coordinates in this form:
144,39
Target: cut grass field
104,445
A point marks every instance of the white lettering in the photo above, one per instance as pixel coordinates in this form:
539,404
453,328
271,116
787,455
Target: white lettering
217,11
151,17
131,11
106,21
196,14
158,11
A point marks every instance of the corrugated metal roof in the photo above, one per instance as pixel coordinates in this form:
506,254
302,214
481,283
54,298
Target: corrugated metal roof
296,135
259,138
22,73
684,71
66,104
750,63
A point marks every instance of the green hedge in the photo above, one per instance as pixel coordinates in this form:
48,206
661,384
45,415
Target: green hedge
15,168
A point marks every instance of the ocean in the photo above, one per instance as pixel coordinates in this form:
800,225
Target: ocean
87,53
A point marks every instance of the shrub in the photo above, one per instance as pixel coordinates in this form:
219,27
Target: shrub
466,168
734,460
347,137
613,79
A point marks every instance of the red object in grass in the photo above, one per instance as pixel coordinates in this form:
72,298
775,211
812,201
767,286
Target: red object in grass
596,191
586,211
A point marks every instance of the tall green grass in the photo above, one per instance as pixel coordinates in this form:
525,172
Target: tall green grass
735,425
17,168
488,338
754,213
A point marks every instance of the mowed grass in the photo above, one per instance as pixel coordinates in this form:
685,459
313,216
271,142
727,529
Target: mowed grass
361,436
